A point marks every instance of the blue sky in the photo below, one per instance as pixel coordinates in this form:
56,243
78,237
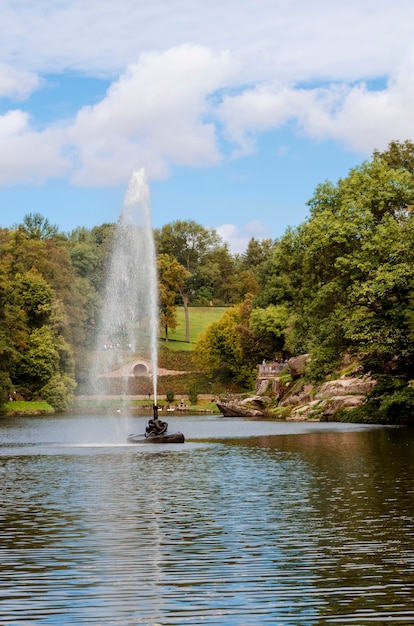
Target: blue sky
235,109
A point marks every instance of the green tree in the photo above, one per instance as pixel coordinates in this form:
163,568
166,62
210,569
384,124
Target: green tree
256,253
271,325
398,155
35,320
172,277
191,245
10,335
35,226
58,391
223,350
345,274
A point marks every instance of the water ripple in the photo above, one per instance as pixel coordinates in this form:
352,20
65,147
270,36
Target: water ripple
307,531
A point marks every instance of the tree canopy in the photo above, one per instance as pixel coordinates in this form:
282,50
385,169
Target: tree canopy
340,284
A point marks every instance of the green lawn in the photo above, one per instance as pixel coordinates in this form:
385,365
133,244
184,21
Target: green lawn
28,408
200,317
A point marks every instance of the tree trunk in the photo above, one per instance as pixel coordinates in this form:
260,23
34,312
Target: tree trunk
187,321
166,332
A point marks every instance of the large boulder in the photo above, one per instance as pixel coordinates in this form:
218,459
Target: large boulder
343,394
297,365
253,406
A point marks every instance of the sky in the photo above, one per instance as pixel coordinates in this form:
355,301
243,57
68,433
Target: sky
237,109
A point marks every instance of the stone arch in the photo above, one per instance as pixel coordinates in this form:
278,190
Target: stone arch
140,369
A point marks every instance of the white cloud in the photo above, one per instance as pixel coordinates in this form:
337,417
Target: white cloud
13,123
359,118
238,238
298,40
251,67
155,115
17,84
28,156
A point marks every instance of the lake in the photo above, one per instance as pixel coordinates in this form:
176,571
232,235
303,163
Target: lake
247,523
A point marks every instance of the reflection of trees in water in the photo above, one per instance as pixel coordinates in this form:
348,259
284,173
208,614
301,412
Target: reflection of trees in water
308,528
362,513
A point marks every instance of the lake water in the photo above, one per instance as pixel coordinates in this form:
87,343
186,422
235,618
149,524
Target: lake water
248,522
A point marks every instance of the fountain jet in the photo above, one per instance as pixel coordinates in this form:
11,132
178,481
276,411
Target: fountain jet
129,322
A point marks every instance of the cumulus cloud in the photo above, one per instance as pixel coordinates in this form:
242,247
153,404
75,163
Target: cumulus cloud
359,118
238,238
29,156
299,40
156,114
191,78
17,84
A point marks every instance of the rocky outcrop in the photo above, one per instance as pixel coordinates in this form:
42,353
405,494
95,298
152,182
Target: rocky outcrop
325,408
253,406
303,400
342,394
299,393
345,386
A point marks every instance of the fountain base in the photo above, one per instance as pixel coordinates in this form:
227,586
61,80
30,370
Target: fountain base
163,438
156,432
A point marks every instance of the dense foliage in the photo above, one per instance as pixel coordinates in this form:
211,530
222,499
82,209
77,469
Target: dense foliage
51,290
339,285
347,273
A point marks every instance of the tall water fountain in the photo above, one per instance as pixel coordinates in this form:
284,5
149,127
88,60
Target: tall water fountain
129,320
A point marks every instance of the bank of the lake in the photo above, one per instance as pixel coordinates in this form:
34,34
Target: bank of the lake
21,407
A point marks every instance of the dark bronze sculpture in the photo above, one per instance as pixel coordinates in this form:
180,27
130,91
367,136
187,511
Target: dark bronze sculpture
156,432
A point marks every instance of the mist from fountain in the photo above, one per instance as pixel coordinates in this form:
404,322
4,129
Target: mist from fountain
129,319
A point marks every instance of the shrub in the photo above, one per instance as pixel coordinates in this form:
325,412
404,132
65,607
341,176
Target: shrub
58,392
5,389
193,393
170,396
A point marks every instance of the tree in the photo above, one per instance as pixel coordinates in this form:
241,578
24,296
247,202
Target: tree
228,348
191,245
346,273
172,276
44,352
257,252
10,334
58,391
271,325
398,155
37,309
35,226
218,349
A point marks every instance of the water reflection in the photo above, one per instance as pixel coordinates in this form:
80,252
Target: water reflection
290,528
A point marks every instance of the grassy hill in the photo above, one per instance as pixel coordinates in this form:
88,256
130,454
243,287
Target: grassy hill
200,317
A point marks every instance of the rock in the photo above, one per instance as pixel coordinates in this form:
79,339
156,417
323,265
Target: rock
263,385
302,396
305,412
326,407
344,403
256,401
234,409
345,386
249,407
297,365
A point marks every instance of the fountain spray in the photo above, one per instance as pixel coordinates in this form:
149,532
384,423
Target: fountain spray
129,323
